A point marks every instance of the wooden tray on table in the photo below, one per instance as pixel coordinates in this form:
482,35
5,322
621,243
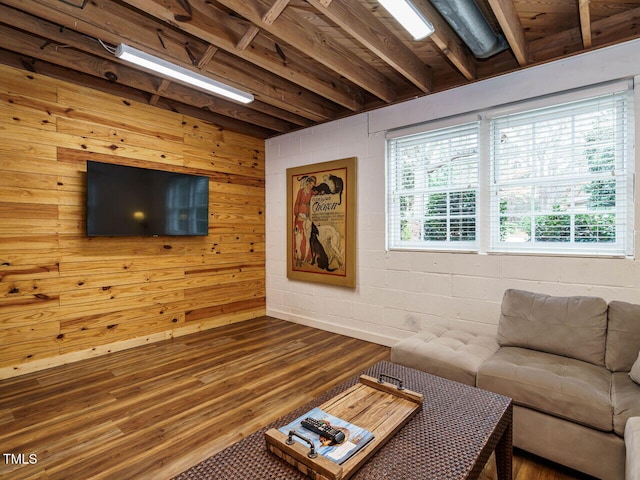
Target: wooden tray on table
375,405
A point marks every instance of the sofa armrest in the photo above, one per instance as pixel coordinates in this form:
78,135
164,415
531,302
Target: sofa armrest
445,352
632,445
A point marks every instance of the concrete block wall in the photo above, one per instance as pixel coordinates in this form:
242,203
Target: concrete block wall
398,292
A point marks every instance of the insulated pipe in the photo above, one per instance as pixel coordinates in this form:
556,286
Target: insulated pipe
470,24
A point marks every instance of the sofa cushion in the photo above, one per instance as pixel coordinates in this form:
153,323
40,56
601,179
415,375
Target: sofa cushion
623,336
634,374
445,352
625,395
564,387
570,326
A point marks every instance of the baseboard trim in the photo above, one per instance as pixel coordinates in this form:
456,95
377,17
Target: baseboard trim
334,328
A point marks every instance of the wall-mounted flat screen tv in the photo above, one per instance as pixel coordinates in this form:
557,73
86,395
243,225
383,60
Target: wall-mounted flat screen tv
132,201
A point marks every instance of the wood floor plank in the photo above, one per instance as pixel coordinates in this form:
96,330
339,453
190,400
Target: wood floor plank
153,411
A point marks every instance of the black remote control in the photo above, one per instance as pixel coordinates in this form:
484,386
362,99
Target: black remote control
323,429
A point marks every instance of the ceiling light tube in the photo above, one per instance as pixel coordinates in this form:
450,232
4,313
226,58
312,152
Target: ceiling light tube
409,17
167,69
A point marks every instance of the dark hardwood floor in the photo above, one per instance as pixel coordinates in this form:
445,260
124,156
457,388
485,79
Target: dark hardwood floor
153,411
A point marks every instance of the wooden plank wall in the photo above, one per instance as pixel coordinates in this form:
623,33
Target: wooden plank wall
65,296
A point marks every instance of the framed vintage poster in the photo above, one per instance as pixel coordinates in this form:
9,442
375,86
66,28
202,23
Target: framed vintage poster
321,222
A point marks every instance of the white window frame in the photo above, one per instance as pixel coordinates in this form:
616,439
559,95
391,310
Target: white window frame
393,208
486,208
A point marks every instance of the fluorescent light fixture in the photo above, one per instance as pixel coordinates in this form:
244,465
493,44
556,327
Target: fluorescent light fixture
157,65
409,17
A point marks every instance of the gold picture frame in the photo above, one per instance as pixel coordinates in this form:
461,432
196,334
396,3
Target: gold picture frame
321,222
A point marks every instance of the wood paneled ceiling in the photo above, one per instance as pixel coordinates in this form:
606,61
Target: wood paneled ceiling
306,61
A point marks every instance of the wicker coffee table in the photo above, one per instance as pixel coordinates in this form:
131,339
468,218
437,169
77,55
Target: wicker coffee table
451,438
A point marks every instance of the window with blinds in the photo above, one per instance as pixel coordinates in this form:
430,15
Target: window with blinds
556,178
433,188
560,181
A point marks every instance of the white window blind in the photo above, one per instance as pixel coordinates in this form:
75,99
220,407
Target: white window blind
432,189
552,175
560,179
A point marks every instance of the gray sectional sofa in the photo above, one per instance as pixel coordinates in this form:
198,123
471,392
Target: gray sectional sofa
565,361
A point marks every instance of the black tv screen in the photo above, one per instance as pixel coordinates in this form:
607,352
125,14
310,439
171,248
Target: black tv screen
132,201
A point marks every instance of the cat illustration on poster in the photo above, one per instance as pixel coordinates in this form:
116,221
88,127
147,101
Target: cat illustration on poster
332,185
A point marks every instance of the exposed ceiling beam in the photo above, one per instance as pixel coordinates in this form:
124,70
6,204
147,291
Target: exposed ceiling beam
616,28
359,22
509,21
449,43
625,25
585,22
274,12
17,41
156,96
306,37
207,56
86,44
248,37
220,29
119,90
114,23
305,61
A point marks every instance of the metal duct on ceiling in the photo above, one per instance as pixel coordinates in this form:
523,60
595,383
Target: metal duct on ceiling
470,24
